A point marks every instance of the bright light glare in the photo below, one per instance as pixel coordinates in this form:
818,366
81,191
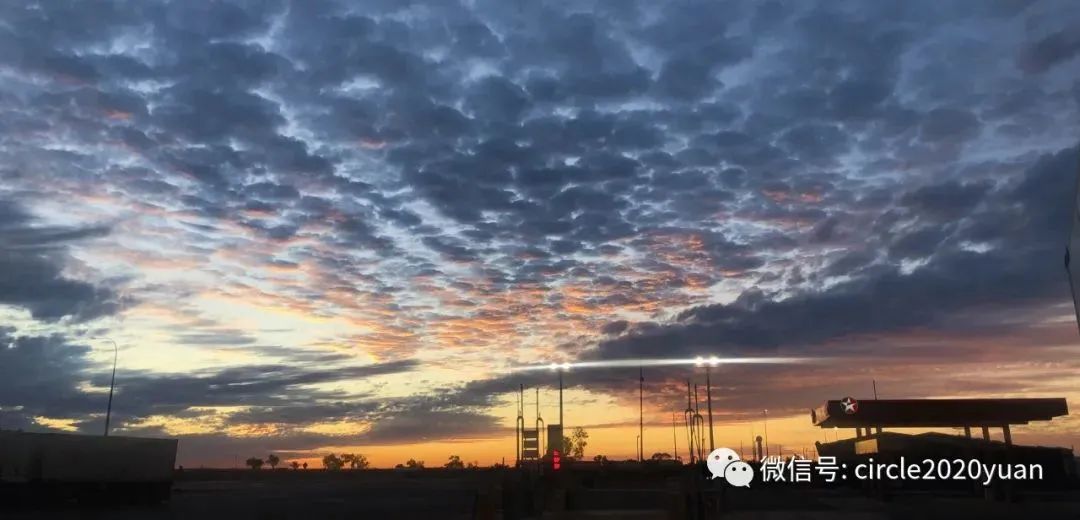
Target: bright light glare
634,363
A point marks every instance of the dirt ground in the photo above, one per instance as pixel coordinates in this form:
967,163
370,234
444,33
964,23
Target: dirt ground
446,495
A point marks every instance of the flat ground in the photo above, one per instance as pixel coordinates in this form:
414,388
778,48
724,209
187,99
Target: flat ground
237,495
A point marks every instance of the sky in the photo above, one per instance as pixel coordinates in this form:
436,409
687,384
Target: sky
314,226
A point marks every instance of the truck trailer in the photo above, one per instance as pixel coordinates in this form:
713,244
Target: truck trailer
84,467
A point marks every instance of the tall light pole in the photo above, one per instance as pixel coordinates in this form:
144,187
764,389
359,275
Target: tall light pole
707,363
766,412
561,424
641,414
560,369
112,384
708,395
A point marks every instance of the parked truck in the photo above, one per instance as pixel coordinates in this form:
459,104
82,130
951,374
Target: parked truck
86,467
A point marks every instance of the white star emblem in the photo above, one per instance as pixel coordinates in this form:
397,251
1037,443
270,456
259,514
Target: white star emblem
850,405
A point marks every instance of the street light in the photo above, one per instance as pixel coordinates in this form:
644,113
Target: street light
112,383
707,363
713,361
560,369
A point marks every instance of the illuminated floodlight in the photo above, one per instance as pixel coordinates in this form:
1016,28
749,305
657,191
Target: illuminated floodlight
698,361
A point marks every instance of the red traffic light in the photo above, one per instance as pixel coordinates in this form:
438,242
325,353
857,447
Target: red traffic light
556,460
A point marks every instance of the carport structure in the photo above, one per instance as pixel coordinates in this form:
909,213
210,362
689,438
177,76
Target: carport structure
936,413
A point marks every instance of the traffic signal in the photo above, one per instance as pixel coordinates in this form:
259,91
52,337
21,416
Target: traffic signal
556,460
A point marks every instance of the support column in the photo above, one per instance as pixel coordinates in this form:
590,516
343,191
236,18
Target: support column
1008,435
986,433
967,431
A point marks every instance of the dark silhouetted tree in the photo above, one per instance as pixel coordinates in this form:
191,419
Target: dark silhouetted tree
414,464
304,465
357,461
454,462
272,460
660,456
576,443
600,458
295,465
332,462
254,463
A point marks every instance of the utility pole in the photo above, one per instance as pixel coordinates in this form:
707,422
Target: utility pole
766,411
641,414
674,437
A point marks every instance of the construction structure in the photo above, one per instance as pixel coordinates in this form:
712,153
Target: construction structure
528,441
695,425
870,418
936,413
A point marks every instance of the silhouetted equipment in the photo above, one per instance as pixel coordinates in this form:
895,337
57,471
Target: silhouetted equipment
520,426
531,438
530,441
81,465
694,424
759,454
555,439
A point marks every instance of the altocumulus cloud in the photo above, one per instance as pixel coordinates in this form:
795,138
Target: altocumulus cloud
569,179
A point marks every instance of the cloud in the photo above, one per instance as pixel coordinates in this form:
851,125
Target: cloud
40,377
32,259
460,179
953,279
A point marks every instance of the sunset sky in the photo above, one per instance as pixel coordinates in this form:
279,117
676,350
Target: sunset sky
314,226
